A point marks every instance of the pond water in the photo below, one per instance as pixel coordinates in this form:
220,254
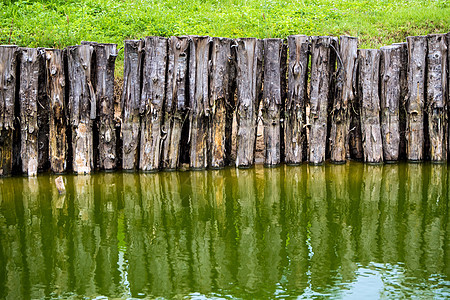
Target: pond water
337,231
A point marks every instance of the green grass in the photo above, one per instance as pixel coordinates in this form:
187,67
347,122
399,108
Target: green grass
59,23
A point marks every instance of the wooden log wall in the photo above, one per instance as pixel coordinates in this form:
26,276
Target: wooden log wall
190,101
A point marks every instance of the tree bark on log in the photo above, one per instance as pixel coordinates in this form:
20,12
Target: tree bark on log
249,81
273,100
175,108
390,100
43,116
130,103
8,69
345,96
221,64
368,93
105,56
28,98
82,107
199,102
436,87
152,101
56,90
320,90
297,97
417,52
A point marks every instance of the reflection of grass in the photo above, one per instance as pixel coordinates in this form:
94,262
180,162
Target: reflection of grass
58,23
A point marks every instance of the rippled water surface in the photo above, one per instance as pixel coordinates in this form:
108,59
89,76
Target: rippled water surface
339,231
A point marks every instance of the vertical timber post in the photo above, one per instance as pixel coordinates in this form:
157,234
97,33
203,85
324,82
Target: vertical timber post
403,96
175,107
199,102
130,103
273,100
152,101
8,68
368,92
56,90
436,104
345,96
28,99
82,107
320,90
294,119
249,76
417,51
221,60
390,100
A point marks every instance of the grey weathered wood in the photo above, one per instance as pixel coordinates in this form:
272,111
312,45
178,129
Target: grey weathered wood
175,107
56,90
221,63
152,101
403,97
8,63
320,90
199,101
417,52
28,99
345,96
130,103
390,100
43,116
273,100
436,97
368,93
82,107
249,75
296,98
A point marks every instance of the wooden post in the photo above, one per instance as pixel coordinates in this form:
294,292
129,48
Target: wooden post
345,96
152,101
403,97
199,102
56,90
417,52
28,98
43,115
82,107
175,106
436,87
273,99
8,64
390,100
130,103
368,93
297,97
320,89
221,64
249,82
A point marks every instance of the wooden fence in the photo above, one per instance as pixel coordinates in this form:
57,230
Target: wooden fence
197,100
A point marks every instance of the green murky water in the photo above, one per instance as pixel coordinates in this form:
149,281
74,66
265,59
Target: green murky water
350,231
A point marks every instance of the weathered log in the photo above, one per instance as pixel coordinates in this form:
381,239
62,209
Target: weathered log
175,107
199,102
297,98
249,83
43,115
344,97
8,63
436,101
320,90
105,58
273,100
130,103
417,52
152,101
390,99
56,90
403,97
221,63
82,107
28,98
368,93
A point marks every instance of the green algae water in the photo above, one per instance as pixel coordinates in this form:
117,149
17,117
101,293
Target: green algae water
337,231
